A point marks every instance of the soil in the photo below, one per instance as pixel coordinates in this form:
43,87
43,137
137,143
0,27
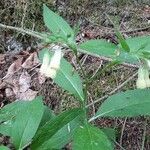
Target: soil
133,18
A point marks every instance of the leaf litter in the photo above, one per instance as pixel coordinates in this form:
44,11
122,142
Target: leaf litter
17,80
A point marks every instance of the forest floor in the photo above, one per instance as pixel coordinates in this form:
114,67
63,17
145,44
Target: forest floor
133,19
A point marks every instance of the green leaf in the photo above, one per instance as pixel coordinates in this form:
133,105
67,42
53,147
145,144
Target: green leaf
10,110
48,114
139,48
140,43
122,41
126,104
98,48
57,25
63,136
24,123
90,138
3,147
111,134
69,80
67,77
52,127
128,58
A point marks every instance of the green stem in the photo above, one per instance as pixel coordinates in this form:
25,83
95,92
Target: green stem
84,103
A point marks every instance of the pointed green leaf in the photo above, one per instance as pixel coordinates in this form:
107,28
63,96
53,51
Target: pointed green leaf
128,58
122,41
67,77
52,127
48,114
140,43
90,138
3,147
111,134
98,48
24,123
57,25
63,136
139,48
69,80
126,104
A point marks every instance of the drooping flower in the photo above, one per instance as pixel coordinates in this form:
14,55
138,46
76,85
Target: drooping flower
50,66
54,64
148,63
143,80
45,63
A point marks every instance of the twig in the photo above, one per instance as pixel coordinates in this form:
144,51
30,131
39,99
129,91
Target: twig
26,31
100,65
119,145
113,91
123,127
144,134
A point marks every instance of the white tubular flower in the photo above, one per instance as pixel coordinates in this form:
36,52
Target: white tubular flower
54,64
45,64
143,80
141,84
148,63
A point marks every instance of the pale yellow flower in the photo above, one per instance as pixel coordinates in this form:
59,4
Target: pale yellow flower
141,84
45,64
143,80
50,66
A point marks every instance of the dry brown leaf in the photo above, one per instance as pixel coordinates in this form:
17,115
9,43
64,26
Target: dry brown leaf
16,66
24,81
2,84
2,58
9,92
28,95
36,59
31,61
41,78
1,96
16,86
